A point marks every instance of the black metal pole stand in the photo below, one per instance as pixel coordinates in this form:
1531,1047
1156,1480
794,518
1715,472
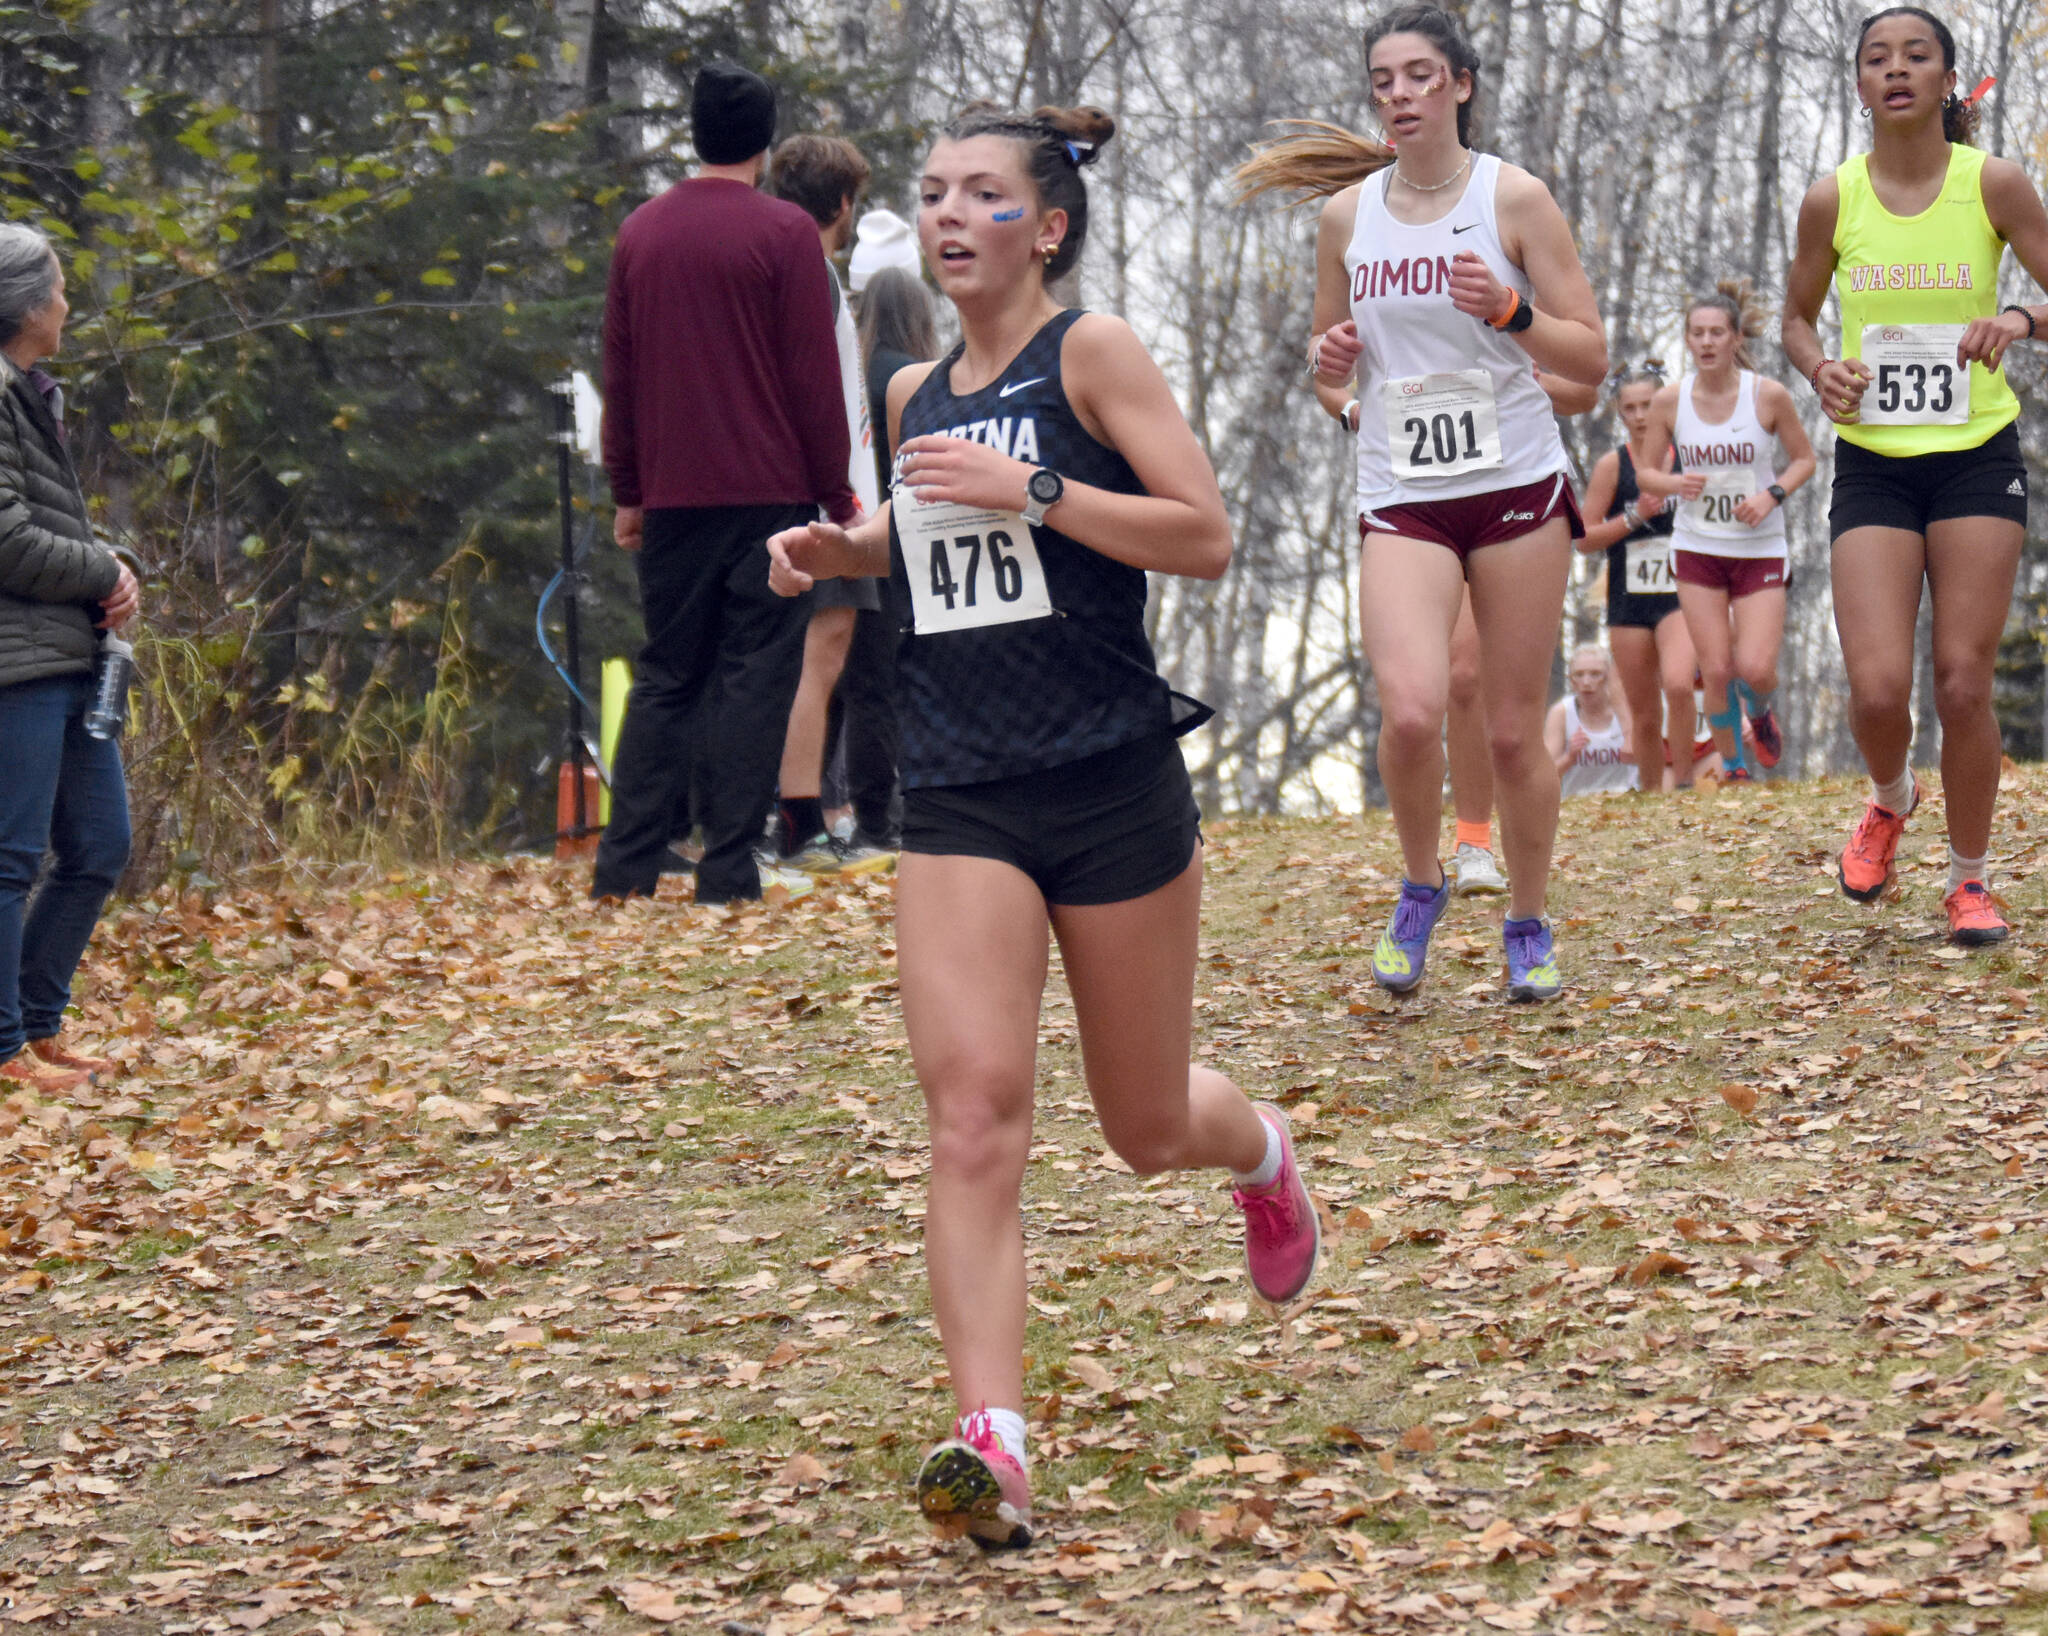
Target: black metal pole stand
565,438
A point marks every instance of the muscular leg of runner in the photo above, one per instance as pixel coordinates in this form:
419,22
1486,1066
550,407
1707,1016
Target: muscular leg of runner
1971,562
1635,665
1409,592
1759,634
1676,664
803,744
1131,969
1465,728
972,942
1517,595
1706,622
1876,574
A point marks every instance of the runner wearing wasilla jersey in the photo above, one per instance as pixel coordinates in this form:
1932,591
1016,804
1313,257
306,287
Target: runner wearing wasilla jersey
1929,483
1043,468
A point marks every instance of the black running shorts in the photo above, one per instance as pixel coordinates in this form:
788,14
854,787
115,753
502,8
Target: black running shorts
1911,491
1104,829
1640,611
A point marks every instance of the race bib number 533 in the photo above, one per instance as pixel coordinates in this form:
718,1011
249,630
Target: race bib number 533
968,567
1915,379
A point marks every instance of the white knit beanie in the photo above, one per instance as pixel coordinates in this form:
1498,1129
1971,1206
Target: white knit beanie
882,239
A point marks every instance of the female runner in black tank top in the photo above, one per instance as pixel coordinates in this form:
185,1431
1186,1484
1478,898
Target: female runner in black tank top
1645,629
1041,780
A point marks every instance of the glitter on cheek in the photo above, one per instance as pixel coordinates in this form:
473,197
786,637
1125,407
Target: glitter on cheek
1016,215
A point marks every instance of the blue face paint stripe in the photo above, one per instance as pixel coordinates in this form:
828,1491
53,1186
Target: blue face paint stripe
1009,215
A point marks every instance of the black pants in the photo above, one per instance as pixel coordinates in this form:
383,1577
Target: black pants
713,628
867,689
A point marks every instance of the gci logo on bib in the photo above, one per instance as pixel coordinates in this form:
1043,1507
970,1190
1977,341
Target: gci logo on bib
967,566
1915,379
1442,425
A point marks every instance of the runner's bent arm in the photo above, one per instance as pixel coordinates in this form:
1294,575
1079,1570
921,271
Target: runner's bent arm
1777,415
1600,489
2015,211
1333,338
1654,475
799,557
1561,754
1177,526
1841,381
1566,338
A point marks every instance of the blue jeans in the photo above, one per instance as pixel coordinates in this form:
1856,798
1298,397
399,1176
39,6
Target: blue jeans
63,792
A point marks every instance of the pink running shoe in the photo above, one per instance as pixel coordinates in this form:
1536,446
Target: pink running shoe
970,1484
1283,1237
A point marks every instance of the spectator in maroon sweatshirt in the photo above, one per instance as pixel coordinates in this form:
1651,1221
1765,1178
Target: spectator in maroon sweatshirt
723,424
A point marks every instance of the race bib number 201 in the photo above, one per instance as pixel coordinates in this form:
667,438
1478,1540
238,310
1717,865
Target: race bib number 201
1442,425
968,567
1915,379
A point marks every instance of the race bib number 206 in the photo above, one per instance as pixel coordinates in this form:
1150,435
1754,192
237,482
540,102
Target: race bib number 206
968,567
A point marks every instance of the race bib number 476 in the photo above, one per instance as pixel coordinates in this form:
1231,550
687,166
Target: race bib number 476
1915,379
968,567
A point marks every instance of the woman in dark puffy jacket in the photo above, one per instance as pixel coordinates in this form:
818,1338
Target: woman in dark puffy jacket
62,791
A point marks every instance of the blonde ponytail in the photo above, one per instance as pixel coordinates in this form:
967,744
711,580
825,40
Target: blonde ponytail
1322,160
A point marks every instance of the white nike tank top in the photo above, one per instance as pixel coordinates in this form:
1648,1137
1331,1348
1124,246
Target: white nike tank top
1599,768
1736,455
1448,406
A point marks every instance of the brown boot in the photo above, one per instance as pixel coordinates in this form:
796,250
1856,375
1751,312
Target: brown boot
52,1055
24,1070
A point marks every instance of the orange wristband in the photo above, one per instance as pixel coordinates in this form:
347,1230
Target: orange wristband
1506,318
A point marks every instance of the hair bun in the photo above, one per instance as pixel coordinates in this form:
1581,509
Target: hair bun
1084,129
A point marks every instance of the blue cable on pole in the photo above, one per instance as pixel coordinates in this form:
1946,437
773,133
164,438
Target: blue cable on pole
540,634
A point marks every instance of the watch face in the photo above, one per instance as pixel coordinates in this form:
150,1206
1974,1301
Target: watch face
1045,486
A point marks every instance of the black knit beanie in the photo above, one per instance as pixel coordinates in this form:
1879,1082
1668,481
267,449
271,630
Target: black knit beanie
732,113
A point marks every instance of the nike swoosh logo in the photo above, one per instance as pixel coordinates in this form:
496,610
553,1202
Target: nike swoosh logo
1465,229
1018,386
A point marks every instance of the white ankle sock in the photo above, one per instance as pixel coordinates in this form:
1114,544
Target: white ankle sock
1269,1167
1896,796
1961,869
1008,1425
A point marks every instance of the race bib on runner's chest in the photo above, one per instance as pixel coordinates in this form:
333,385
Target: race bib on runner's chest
1714,511
967,567
1915,379
1649,567
1442,425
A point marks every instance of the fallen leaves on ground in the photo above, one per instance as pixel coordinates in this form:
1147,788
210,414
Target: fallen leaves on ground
454,1252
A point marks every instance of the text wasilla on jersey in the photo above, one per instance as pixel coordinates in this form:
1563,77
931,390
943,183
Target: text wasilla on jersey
1907,275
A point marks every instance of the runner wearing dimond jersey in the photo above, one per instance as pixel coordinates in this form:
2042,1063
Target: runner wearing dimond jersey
1441,276
1930,485
1043,467
1728,535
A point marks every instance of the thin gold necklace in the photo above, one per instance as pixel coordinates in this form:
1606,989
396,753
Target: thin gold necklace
1434,187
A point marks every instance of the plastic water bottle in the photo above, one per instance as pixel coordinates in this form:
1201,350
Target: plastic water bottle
112,671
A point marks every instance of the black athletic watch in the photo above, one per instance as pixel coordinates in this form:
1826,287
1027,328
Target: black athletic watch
1042,492
1777,492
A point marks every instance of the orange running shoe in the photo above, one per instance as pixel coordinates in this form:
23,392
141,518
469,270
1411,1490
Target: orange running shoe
1865,867
1973,916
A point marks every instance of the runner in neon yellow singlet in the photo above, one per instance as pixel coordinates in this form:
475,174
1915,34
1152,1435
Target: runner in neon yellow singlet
1929,482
